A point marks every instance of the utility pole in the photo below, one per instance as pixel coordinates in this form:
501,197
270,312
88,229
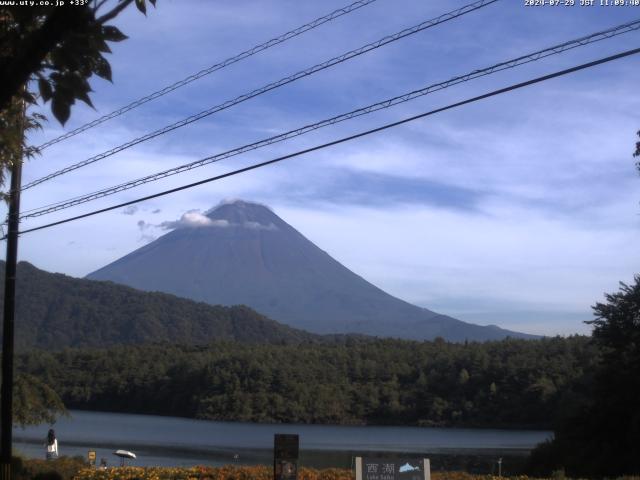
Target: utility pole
6,390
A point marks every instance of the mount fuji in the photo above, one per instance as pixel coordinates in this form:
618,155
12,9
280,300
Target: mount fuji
243,253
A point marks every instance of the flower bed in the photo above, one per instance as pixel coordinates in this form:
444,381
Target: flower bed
241,473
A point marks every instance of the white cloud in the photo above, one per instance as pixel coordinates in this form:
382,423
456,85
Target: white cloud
130,210
193,219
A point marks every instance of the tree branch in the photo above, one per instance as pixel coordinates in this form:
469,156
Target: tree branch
99,5
114,12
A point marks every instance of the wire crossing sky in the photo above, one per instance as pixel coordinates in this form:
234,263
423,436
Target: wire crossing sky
522,60
345,139
271,86
213,68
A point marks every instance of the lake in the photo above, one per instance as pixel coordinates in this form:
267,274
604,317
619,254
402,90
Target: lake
172,441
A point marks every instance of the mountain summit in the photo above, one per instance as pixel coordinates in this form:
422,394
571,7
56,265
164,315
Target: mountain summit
243,253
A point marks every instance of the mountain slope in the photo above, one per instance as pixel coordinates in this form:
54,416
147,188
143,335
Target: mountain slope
55,311
243,253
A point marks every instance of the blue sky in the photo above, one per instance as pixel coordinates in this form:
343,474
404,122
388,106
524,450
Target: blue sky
520,210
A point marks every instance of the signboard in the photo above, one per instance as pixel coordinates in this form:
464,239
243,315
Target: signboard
392,468
285,456
91,457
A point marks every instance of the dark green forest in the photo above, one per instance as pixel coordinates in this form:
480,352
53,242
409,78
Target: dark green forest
54,311
509,383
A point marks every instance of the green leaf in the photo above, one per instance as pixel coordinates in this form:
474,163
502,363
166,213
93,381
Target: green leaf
102,68
113,34
75,86
35,402
61,109
102,46
66,57
141,6
81,95
45,89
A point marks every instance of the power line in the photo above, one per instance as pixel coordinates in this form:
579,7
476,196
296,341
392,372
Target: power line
618,30
344,139
271,86
213,68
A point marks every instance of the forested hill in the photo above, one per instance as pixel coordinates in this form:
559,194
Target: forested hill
509,383
54,311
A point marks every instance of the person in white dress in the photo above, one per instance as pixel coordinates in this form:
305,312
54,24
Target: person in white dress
52,445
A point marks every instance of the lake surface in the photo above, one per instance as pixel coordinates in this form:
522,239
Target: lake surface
175,441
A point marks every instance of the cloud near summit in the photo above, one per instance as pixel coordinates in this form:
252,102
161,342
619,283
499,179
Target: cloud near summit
193,219
196,219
